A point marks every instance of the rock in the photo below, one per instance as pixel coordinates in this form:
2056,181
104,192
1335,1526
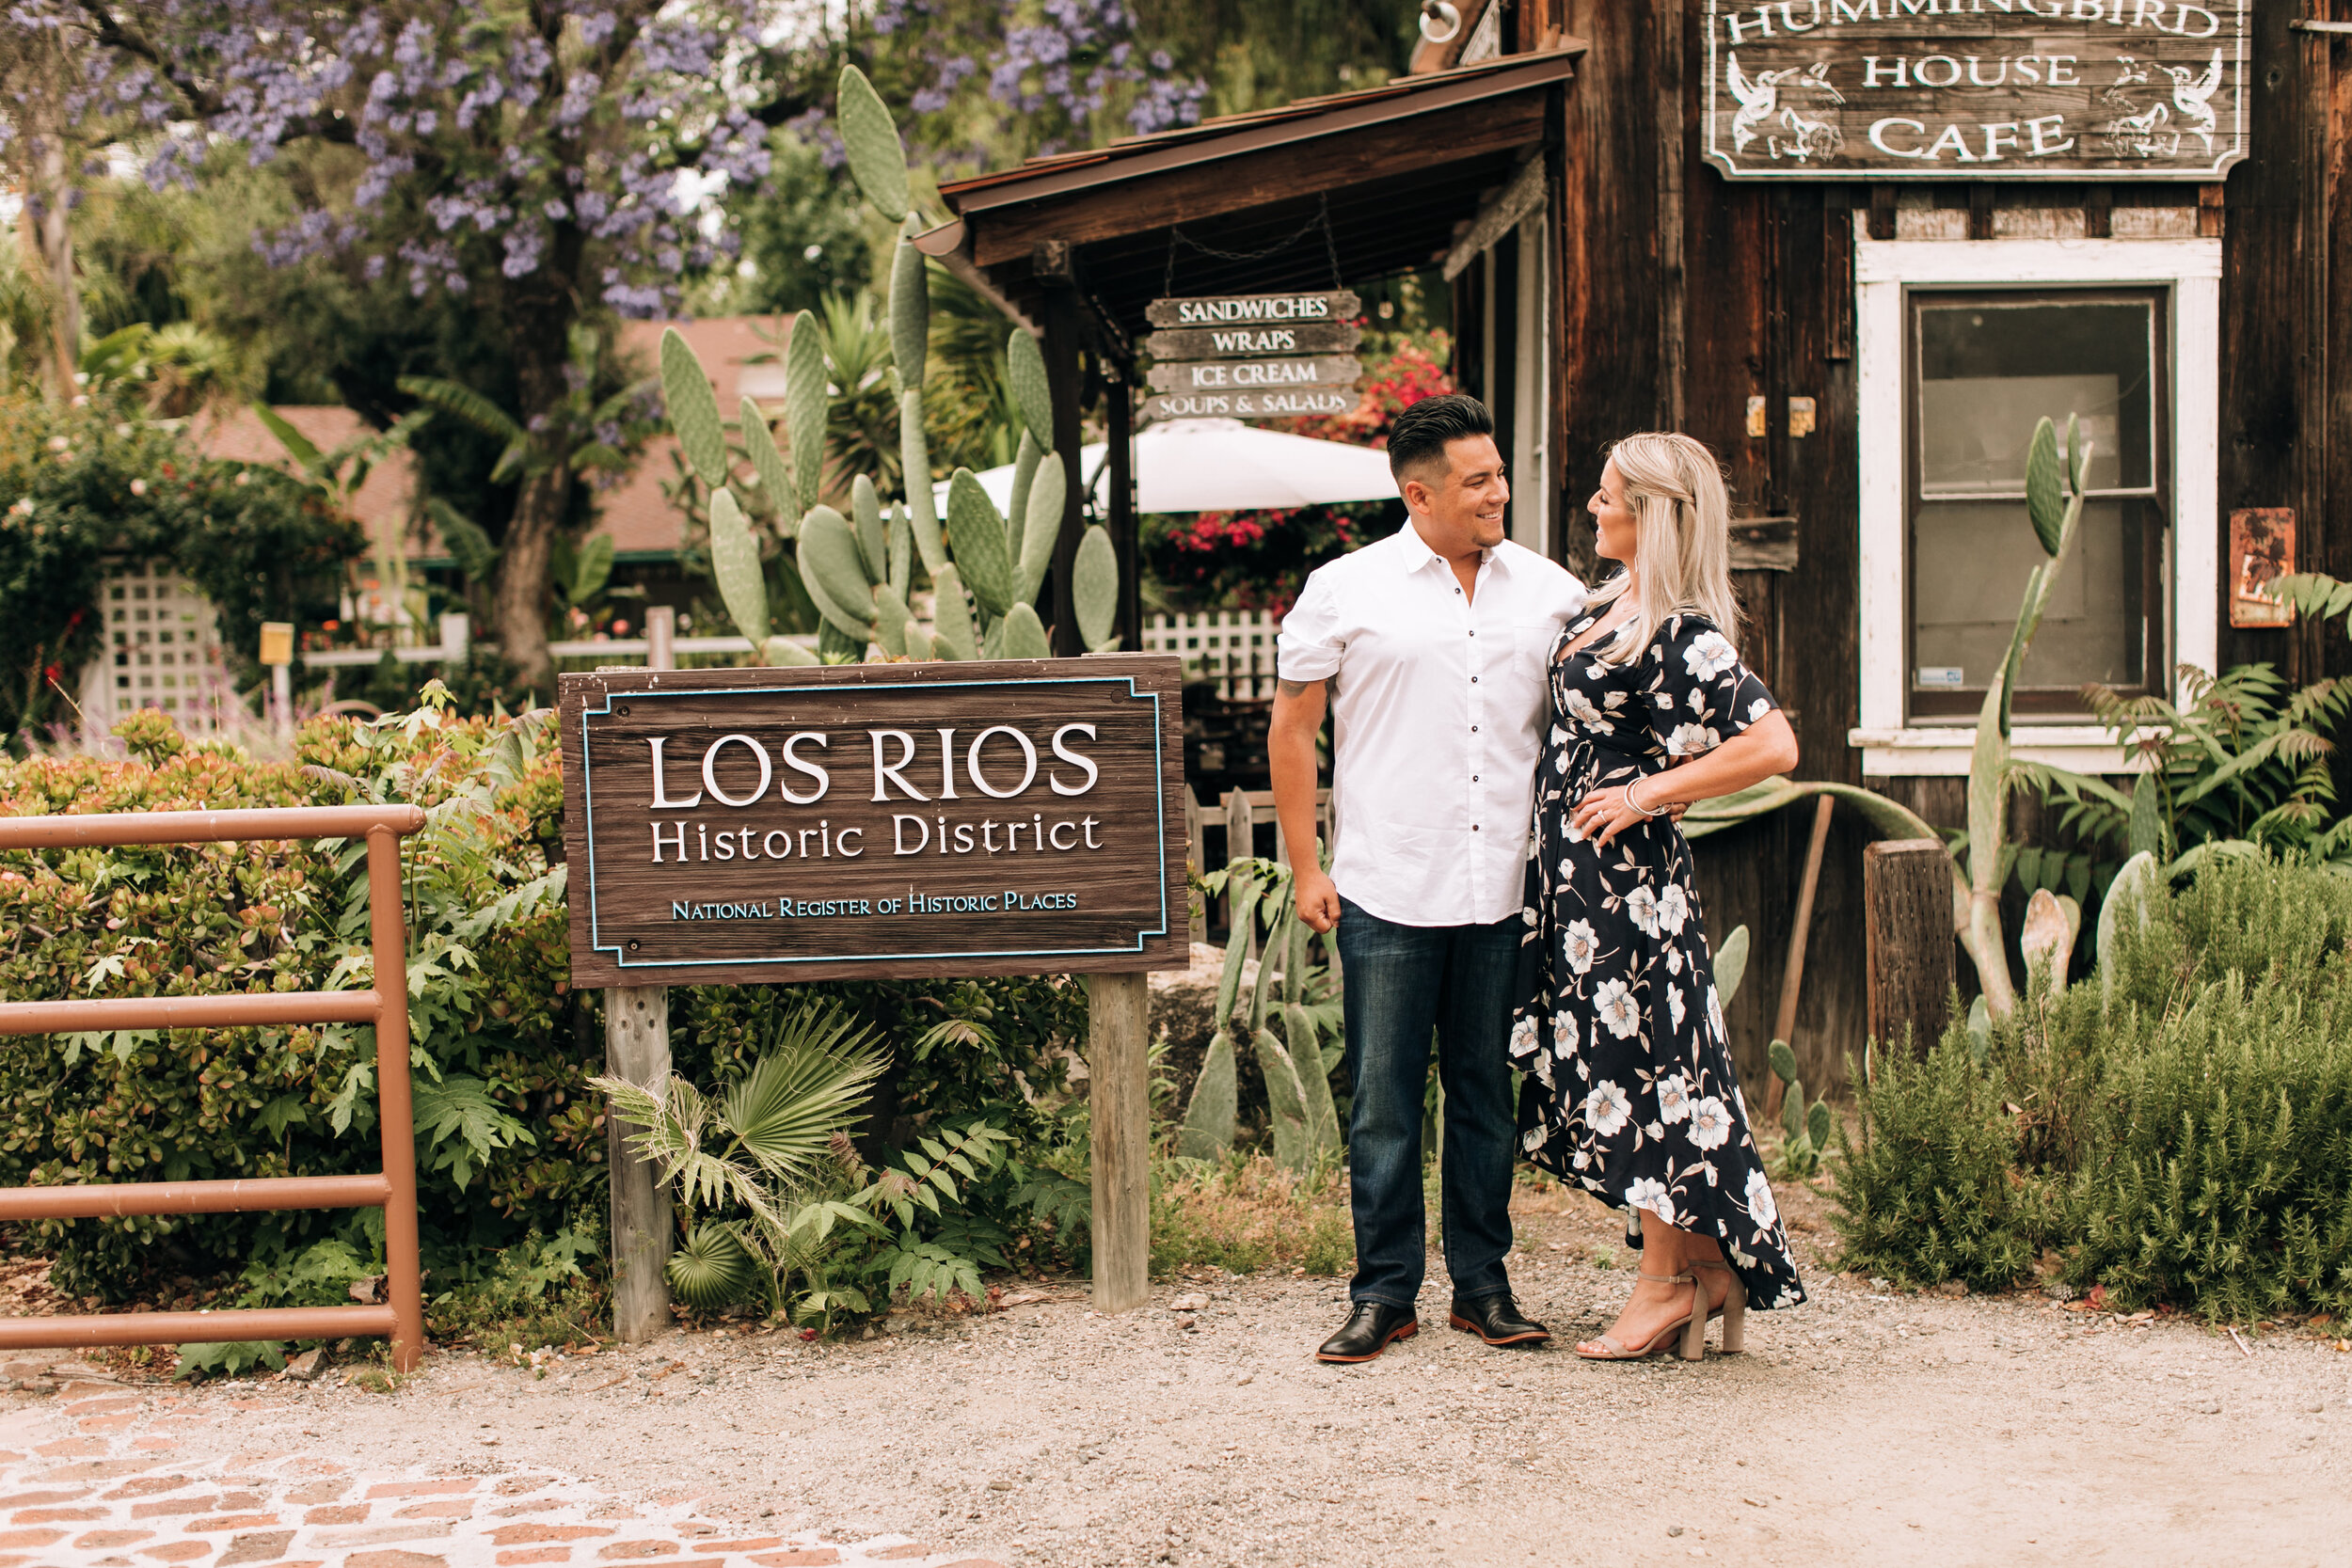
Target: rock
1192,1303
306,1366
23,1368
1189,1323
1952,1288
80,1372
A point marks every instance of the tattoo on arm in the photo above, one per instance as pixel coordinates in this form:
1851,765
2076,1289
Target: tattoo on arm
1294,688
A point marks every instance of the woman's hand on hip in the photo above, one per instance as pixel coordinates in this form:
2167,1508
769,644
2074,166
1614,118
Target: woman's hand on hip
1609,810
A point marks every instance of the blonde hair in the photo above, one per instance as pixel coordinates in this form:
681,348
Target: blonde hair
1682,528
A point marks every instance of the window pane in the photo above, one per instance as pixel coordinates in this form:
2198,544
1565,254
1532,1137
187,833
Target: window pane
1988,372
1970,561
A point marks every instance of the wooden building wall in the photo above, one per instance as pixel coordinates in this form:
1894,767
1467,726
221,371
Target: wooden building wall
1684,294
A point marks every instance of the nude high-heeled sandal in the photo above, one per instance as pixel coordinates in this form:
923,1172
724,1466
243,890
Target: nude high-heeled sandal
1692,1327
1734,1311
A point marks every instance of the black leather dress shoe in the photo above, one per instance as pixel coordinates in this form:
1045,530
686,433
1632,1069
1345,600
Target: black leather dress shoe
1370,1329
1497,1319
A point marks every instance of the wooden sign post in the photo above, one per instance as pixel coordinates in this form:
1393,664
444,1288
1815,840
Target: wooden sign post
888,821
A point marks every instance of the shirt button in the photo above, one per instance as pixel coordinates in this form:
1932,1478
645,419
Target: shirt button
1473,680
1473,778
1473,826
1473,729
1473,634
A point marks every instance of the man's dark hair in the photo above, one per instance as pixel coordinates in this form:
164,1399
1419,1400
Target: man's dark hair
1420,432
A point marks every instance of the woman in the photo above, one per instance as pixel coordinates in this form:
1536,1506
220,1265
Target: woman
1631,1089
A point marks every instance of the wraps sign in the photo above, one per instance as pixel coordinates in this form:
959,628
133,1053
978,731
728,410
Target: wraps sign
1976,89
876,821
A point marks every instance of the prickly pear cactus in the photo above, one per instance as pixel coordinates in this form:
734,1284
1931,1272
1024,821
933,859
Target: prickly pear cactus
1805,1130
985,570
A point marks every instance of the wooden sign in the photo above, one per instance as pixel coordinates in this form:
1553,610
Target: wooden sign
875,820
1224,375
1251,343
1976,89
1285,404
2261,550
1339,305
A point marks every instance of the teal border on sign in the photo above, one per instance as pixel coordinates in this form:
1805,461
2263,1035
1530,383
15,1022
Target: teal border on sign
620,957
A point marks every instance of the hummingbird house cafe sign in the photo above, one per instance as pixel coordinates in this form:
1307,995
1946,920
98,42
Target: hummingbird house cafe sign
1961,89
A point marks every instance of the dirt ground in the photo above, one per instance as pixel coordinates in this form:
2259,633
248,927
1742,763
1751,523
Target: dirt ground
1865,1426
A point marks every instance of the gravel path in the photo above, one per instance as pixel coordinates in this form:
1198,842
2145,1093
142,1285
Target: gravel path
1866,1427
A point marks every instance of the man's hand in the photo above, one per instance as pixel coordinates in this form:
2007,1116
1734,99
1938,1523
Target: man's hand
1318,901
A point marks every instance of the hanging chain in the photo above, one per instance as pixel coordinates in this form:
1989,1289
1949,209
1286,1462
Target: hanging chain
1321,220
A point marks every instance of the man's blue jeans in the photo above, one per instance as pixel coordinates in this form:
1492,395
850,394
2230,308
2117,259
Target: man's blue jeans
1402,982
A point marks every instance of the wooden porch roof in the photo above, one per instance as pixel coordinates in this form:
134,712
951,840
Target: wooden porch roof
1399,168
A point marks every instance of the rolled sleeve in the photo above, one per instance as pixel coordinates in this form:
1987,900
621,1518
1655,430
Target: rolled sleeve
1309,645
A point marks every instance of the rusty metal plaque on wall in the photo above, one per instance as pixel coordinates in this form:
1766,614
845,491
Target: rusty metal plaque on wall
1976,89
874,820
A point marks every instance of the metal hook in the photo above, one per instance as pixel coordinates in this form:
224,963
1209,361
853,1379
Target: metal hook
1445,16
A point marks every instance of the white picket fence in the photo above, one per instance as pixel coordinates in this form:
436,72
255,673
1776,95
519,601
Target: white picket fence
1233,648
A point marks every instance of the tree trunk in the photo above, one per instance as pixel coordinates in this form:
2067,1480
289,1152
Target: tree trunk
521,592
50,239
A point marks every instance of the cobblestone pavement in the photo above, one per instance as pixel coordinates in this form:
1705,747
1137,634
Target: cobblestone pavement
106,1476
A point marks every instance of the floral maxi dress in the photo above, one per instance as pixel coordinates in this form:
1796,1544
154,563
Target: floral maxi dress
1629,1086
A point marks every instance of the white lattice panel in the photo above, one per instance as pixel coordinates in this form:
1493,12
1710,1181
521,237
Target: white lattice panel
1232,647
162,652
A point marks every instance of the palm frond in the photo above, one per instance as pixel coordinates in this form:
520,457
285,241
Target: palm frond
457,399
806,1087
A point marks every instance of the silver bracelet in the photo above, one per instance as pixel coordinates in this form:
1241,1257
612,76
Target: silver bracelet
1638,806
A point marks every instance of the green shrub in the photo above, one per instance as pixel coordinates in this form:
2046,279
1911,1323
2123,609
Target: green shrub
506,1140
2188,1140
2224,1175
1931,1190
510,1134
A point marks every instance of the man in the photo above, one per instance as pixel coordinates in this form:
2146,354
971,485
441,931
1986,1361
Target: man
1429,649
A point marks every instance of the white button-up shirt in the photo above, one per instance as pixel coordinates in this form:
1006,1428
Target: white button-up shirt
1437,710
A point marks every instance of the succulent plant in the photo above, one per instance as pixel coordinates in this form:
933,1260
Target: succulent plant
1731,965
1280,1027
1805,1130
2126,899
2054,504
859,569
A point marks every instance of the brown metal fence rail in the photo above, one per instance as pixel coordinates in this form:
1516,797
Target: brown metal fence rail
394,1189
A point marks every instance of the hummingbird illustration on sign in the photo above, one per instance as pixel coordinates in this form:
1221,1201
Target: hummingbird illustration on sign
1759,98
2189,96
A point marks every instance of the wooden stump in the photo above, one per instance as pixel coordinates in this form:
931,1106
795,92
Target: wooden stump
637,1048
1119,1013
1907,916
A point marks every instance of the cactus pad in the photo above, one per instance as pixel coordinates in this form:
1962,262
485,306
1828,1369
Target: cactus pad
735,562
870,137
1094,587
693,409
1024,367
978,534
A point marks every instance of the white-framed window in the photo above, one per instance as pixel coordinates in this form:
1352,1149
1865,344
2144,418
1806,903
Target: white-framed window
1960,346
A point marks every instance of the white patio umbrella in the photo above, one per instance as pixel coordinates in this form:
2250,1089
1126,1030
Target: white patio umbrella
1225,466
